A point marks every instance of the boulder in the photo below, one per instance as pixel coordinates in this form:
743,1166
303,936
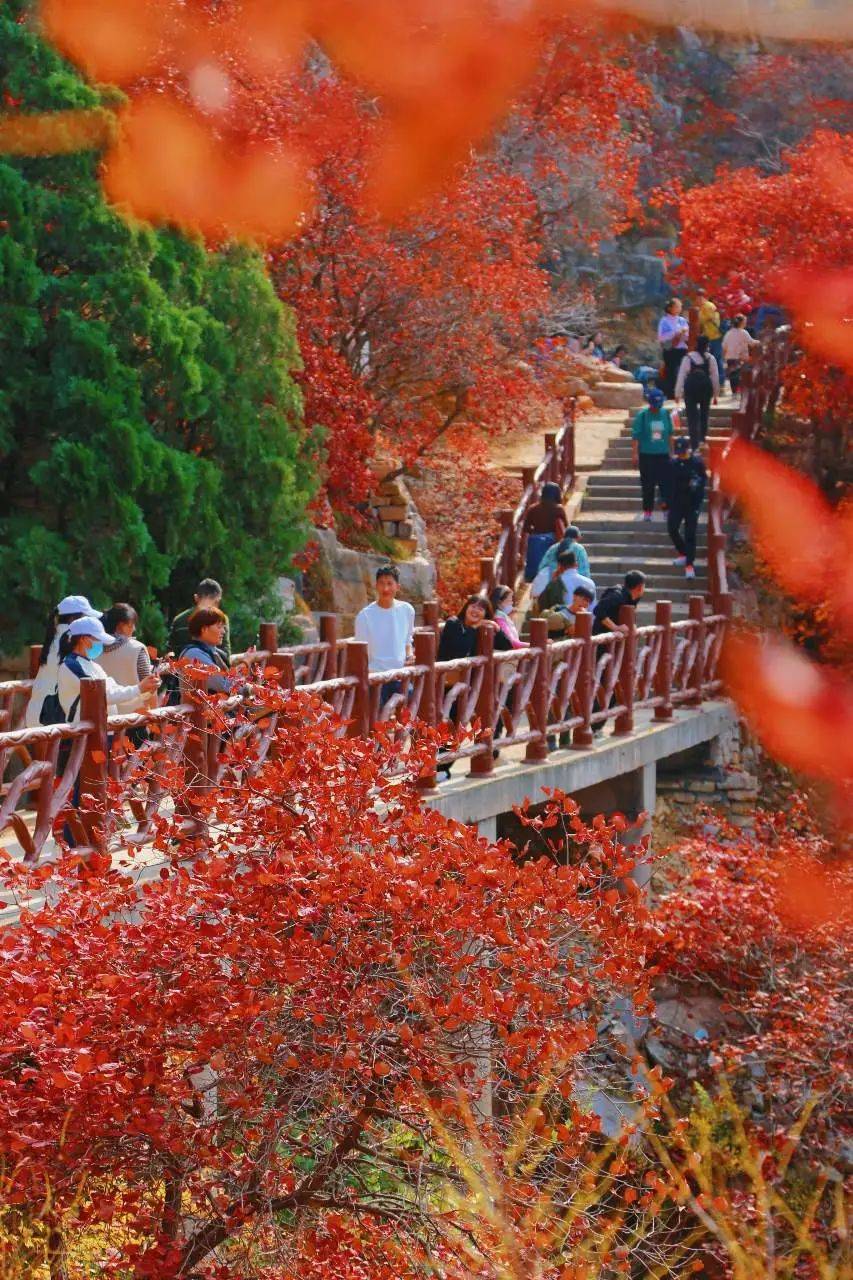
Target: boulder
618,395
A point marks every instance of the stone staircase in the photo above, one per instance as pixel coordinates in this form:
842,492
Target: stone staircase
617,539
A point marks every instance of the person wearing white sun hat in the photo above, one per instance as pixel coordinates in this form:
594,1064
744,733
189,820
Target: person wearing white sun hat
80,646
67,611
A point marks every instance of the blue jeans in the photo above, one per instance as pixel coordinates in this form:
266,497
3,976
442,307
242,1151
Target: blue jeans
388,690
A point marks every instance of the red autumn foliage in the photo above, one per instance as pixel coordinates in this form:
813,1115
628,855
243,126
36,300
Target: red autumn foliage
761,924
248,1052
785,236
435,318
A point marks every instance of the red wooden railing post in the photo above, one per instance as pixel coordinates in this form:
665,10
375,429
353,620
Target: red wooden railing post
585,687
538,712
484,763
716,544
268,636
509,567
552,469
663,675
431,616
696,613
487,573
282,662
356,664
329,635
35,655
570,466
627,670
528,477
94,768
425,646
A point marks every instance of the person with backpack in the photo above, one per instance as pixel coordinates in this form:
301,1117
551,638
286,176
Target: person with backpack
206,628
69,609
687,490
571,541
80,647
651,441
698,383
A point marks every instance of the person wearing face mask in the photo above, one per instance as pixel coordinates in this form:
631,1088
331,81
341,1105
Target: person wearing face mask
80,647
44,686
502,601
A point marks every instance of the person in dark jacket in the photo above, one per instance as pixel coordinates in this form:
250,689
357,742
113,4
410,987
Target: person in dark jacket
206,629
207,595
687,490
606,612
459,634
545,523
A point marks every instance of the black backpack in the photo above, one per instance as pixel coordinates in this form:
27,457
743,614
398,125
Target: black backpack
698,381
51,708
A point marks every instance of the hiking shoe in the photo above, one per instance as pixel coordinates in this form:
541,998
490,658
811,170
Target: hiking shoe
647,515
680,560
689,571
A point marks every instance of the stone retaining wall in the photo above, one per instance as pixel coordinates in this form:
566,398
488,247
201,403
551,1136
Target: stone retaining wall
722,776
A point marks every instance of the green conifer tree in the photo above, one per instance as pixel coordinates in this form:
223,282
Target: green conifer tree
150,430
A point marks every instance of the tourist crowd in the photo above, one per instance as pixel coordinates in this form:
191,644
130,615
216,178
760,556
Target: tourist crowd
82,642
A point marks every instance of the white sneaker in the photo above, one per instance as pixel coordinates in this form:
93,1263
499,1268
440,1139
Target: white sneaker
680,560
690,572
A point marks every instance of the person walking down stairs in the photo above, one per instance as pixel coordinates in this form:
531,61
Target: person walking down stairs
651,437
687,490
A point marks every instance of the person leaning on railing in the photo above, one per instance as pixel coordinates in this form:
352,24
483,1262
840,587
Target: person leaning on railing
606,612
79,648
206,628
69,609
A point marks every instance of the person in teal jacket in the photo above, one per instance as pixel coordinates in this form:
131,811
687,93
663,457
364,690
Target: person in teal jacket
570,542
651,438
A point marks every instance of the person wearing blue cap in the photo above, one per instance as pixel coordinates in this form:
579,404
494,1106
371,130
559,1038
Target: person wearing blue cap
651,445
687,489
67,611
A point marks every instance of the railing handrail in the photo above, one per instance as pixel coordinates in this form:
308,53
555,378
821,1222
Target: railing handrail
760,388
557,464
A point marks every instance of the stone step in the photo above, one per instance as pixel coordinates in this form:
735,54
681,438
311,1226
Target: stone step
663,569
613,503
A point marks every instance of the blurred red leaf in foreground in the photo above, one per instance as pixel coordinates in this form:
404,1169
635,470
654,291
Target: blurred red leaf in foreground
823,302
813,568
801,711
441,88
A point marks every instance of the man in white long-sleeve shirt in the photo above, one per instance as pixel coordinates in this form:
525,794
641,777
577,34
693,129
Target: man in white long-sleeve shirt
387,626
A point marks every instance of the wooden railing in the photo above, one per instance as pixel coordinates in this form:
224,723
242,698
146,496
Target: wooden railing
760,387
530,697
557,466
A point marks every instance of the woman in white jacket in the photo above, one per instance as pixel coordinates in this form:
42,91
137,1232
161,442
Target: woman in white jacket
67,611
81,644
